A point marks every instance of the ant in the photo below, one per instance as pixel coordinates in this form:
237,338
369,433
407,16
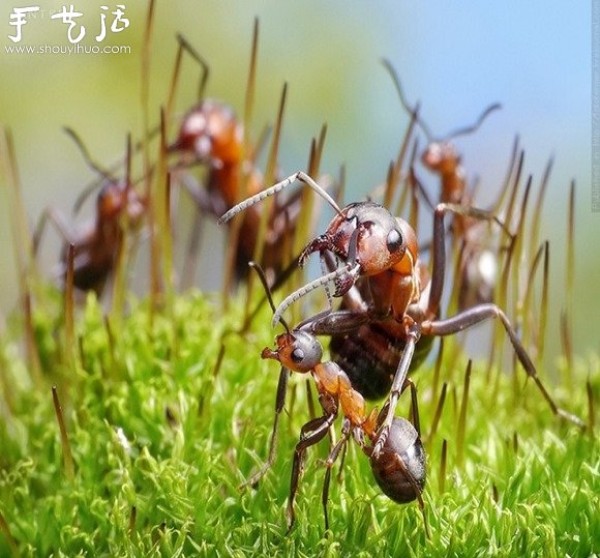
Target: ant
96,245
477,266
391,304
211,135
399,468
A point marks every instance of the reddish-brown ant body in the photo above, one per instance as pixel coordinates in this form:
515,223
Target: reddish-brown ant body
386,287
399,468
212,136
96,244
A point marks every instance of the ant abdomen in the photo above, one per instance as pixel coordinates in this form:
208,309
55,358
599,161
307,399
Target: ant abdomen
371,355
399,469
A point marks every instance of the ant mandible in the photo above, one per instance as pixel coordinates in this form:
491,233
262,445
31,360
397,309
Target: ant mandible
390,303
399,468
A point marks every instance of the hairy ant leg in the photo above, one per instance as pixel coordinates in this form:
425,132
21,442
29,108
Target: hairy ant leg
483,312
310,434
254,479
331,459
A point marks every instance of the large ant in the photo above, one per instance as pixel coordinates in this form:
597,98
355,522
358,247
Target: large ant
399,468
96,244
391,304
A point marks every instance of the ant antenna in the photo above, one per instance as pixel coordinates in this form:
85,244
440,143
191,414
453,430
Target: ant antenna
83,196
301,176
414,111
304,290
184,44
86,154
263,279
470,129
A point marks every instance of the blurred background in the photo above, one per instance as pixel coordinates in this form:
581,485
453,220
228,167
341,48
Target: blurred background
454,57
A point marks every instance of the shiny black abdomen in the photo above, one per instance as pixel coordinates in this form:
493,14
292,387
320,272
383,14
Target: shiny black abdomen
370,356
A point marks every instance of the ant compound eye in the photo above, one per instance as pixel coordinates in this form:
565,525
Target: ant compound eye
394,241
297,355
306,352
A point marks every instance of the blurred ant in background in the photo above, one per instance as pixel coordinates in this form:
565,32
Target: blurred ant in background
477,266
211,136
96,244
399,468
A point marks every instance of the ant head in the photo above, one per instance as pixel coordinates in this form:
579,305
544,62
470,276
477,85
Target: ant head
115,198
368,234
111,200
441,157
400,467
299,351
210,132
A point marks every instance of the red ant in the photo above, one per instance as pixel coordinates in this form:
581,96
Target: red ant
96,245
399,468
391,305
477,265
211,135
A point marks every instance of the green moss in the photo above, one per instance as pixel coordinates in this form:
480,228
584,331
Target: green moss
162,438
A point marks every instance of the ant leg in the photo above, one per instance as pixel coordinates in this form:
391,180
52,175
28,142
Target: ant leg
300,176
439,248
279,403
416,420
480,313
340,321
310,434
205,205
331,459
412,337
59,222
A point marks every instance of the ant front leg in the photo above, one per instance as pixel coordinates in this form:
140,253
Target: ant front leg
279,403
310,434
483,312
413,335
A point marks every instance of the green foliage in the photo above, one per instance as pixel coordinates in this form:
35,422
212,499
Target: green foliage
162,438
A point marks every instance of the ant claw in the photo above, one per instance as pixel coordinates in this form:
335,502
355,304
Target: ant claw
381,440
291,519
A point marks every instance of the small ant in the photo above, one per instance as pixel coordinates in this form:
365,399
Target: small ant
96,245
478,268
399,468
391,304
